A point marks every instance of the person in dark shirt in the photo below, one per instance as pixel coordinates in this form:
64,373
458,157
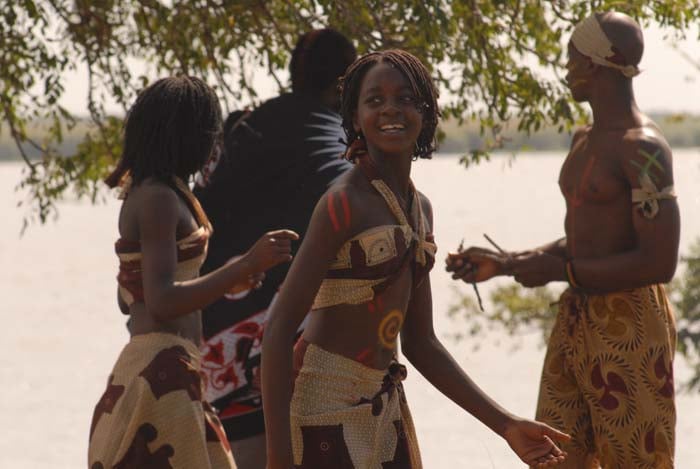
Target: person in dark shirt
278,160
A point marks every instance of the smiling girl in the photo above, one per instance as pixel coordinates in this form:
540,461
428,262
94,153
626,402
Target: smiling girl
362,270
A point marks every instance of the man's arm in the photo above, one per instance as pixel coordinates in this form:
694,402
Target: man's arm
555,248
532,268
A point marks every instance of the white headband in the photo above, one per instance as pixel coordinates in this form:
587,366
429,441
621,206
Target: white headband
590,40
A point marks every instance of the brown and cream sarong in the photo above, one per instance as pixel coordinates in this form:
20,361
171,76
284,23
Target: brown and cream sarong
608,379
152,413
345,415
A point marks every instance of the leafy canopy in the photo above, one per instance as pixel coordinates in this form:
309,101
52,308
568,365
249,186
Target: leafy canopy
494,60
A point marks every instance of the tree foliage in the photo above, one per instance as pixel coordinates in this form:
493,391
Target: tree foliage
685,294
512,308
518,311
494,60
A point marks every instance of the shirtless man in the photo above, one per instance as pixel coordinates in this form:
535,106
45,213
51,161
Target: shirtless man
608,376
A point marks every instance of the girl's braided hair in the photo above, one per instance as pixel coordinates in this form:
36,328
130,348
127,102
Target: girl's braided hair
170,130
421,84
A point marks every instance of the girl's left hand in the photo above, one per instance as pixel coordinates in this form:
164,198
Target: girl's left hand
533,442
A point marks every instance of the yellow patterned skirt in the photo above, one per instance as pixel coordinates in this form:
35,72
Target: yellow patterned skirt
608,379
152,413
345,415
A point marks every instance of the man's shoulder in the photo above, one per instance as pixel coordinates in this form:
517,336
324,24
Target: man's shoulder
292,116
649,132
284,103
580,134
289,103
645,151
645,139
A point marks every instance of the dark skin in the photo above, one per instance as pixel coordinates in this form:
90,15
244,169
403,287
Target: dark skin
250,453
329,96
613,246
388,116
156,216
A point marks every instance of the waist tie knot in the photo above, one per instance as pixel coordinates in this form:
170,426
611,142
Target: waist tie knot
391,383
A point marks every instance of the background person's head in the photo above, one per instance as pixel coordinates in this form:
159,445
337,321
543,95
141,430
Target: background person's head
319,59
420,84
605,50
170,130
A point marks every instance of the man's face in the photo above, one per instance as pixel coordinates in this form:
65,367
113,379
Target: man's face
579,74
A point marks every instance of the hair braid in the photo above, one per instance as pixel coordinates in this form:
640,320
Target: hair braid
170,130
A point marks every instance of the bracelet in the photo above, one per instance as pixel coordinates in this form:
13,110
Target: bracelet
570,277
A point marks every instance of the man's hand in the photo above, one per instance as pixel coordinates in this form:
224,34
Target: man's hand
533,442
537,268
476,264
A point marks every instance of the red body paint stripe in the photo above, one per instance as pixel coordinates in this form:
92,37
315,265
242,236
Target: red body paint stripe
578,200
363,356
332,214
346,208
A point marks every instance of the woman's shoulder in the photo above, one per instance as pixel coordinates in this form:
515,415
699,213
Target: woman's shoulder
426,207
424,200
342,210
353,186
151,191
153,201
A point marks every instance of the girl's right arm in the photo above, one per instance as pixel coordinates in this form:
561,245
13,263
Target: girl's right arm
166,299
328,230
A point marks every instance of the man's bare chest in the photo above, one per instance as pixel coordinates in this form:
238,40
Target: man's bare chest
591,174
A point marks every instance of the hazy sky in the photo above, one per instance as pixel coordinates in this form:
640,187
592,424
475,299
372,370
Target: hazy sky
668,82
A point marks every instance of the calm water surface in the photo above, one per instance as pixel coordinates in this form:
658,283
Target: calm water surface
63,330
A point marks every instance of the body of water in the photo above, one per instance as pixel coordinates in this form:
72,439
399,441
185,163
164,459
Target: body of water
63,330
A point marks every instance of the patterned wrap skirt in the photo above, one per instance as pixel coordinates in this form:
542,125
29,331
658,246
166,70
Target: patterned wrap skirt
608,379
345,415
152,413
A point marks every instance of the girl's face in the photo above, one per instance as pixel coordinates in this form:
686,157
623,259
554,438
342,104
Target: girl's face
388,112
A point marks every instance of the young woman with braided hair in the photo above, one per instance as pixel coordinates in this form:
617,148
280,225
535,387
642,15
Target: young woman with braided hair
363,271
152,413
